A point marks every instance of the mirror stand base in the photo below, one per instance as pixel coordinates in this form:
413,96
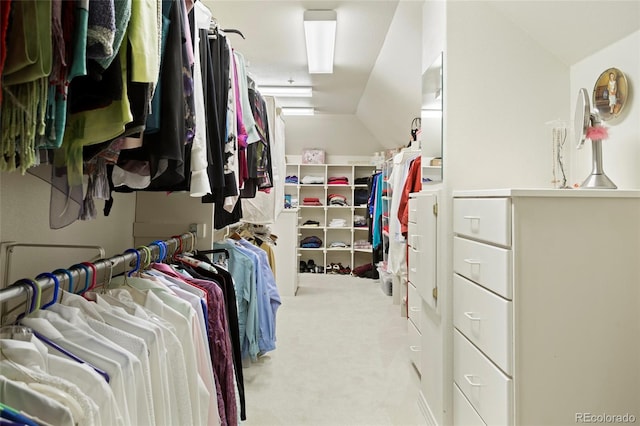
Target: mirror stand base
598,181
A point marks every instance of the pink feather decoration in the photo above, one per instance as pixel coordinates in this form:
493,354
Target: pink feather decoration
597,133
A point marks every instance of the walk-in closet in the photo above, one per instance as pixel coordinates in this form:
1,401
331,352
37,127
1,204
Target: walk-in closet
316,212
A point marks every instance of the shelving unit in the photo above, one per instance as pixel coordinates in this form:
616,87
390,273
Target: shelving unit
327,215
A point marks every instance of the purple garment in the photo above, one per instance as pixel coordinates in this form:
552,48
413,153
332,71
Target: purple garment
219,344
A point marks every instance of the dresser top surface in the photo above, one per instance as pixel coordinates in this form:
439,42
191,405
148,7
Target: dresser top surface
554,193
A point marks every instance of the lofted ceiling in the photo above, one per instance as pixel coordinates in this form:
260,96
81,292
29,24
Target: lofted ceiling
571,29
275,51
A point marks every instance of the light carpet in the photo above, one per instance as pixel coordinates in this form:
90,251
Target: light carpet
342,359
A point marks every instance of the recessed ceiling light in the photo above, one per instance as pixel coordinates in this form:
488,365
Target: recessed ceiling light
286,91
320,36
297,111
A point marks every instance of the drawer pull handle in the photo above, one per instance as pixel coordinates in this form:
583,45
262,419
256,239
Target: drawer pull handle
472,261
414,348
471,217
414,309
468,378
471,316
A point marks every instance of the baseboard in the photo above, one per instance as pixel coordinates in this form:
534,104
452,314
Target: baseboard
426,411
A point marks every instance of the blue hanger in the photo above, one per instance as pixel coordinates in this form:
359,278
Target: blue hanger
137,268
69,277
60,349
86,276
56,288
163,249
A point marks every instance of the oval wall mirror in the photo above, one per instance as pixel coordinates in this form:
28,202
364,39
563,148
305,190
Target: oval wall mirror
610,93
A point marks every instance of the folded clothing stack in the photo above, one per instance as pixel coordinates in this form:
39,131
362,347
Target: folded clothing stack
312,179
311,201
311,223
361,244
338,244
291,179
311,242
338,180
337,223
337,200
360,197
359,221
362,180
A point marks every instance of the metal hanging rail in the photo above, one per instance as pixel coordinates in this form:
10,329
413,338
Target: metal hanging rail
17,299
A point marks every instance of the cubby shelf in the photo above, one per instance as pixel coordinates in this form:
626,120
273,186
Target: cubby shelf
324,214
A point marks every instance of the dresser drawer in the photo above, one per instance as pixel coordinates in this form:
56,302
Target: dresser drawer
415,348
486,219
413,260
414,306
485,319
463,412
488,390
487,265
413,210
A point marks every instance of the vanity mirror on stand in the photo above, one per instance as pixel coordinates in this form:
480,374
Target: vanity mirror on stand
588,125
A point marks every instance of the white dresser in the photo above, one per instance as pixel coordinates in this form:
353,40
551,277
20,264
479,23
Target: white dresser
421,270
427,335
546,306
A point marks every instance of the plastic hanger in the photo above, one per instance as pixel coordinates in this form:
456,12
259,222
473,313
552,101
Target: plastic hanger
94,273
147,259
56,288
69,277
86,276
74,357
163,249
137,267
33,297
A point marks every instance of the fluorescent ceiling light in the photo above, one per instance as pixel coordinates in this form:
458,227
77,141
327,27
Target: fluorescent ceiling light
320,35
286,91
297,111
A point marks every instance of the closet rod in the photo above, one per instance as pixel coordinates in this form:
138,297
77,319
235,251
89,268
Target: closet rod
19,294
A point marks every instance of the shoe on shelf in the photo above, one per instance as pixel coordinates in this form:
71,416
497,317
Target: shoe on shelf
311,266
329,269
303,266
336,268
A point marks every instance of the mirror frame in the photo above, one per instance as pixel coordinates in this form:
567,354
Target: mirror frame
609,106
432,112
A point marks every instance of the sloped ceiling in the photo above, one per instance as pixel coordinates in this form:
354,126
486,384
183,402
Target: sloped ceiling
393,93
573,30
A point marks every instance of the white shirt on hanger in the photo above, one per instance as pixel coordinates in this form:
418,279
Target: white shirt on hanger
111,367
20,397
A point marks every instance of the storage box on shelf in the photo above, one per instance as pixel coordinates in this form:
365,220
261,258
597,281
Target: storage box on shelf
537,305
330,214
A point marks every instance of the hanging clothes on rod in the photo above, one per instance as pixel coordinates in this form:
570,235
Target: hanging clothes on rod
162,337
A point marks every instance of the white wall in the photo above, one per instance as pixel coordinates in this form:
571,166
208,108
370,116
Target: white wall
621,152
501,87
24,218
336,134
391,99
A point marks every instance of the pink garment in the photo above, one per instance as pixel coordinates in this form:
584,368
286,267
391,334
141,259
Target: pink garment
242,131
187,33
